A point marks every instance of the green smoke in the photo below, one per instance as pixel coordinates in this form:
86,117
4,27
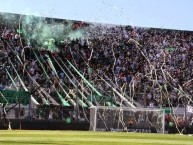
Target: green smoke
8,19
42,30
76,34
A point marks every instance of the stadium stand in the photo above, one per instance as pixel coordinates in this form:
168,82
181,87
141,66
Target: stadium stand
93,64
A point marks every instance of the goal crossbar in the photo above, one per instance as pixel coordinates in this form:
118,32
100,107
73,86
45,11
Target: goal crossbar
106,118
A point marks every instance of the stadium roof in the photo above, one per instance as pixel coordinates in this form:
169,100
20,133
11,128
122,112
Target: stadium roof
173,14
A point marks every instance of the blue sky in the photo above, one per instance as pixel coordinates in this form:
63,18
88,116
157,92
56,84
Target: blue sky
172,14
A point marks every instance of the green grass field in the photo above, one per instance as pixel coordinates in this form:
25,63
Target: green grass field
28,137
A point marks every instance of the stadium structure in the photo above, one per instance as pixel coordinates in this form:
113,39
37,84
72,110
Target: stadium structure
66,74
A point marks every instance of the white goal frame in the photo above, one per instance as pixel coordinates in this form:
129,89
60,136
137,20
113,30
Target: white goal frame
106,117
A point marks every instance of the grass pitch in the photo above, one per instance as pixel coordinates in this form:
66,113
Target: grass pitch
29,137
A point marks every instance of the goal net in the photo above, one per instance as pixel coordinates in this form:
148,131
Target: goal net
104,118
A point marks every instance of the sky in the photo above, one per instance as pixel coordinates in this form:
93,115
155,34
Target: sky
170,14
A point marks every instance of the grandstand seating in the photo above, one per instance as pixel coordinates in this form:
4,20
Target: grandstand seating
95,64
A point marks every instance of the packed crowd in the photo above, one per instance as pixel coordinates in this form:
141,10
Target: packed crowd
150,66
155,64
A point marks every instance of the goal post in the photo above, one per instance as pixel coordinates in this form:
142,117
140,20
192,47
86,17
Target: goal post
106,118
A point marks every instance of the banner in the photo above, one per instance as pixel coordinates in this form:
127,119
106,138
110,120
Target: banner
170,49
13,96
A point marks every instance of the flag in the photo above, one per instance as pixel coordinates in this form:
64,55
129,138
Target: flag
170,49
